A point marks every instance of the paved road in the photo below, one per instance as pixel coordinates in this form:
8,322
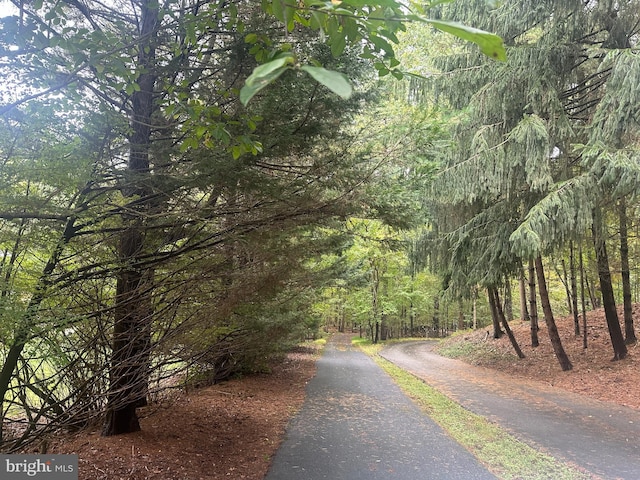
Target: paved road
356,424
603,438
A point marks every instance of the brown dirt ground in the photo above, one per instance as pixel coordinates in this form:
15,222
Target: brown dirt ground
593,374
225,431
231,430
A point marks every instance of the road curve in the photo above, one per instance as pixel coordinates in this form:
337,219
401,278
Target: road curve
603,438
356,424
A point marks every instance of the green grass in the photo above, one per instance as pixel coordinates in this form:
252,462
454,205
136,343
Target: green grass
504,455
470,351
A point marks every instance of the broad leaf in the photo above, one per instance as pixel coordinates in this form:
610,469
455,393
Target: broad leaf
267,69
335,81
264,75
249,90
490,44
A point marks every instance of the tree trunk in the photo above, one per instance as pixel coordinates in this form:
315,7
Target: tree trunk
524,311
497,331
629,331
593,298
606,288
574,289
128,374
565,282
582,299
533,313
505,324
558,349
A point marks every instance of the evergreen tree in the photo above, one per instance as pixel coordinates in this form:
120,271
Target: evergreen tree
514,143
182,201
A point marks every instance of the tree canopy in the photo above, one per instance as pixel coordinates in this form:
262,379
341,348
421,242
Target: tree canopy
189,188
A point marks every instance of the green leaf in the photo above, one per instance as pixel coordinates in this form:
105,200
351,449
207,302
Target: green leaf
263,76
278,10
318,20
266,69
288,13
490,44
363,3
382,44
338,44
237,151
335,81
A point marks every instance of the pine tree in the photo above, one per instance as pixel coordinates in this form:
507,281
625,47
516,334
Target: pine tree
568,81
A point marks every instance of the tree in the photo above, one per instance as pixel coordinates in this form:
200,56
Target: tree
534,305
165,184
629,331
505,324
495,315
520,124
558,349
574,289
608,298
185,169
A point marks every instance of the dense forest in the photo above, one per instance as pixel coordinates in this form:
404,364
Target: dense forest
189,188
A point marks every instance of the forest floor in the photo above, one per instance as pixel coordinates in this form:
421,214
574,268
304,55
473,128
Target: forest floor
225,431
594,374
231,430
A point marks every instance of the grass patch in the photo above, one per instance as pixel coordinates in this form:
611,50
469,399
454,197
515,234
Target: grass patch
504,455
470,349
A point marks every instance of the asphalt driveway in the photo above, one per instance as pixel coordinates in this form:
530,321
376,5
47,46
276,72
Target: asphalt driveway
356,424
602,438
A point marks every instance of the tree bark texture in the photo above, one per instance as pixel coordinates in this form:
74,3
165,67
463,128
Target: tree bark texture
505,324
558,349
582,298
606,288
629,331
375,286
574,289
130,344
475,307
411,318
460,314
524,311
533,313
129,367
497,331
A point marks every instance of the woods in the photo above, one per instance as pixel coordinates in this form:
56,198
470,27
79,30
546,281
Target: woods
188,189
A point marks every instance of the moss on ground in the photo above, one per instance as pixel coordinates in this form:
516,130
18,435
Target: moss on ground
505,456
